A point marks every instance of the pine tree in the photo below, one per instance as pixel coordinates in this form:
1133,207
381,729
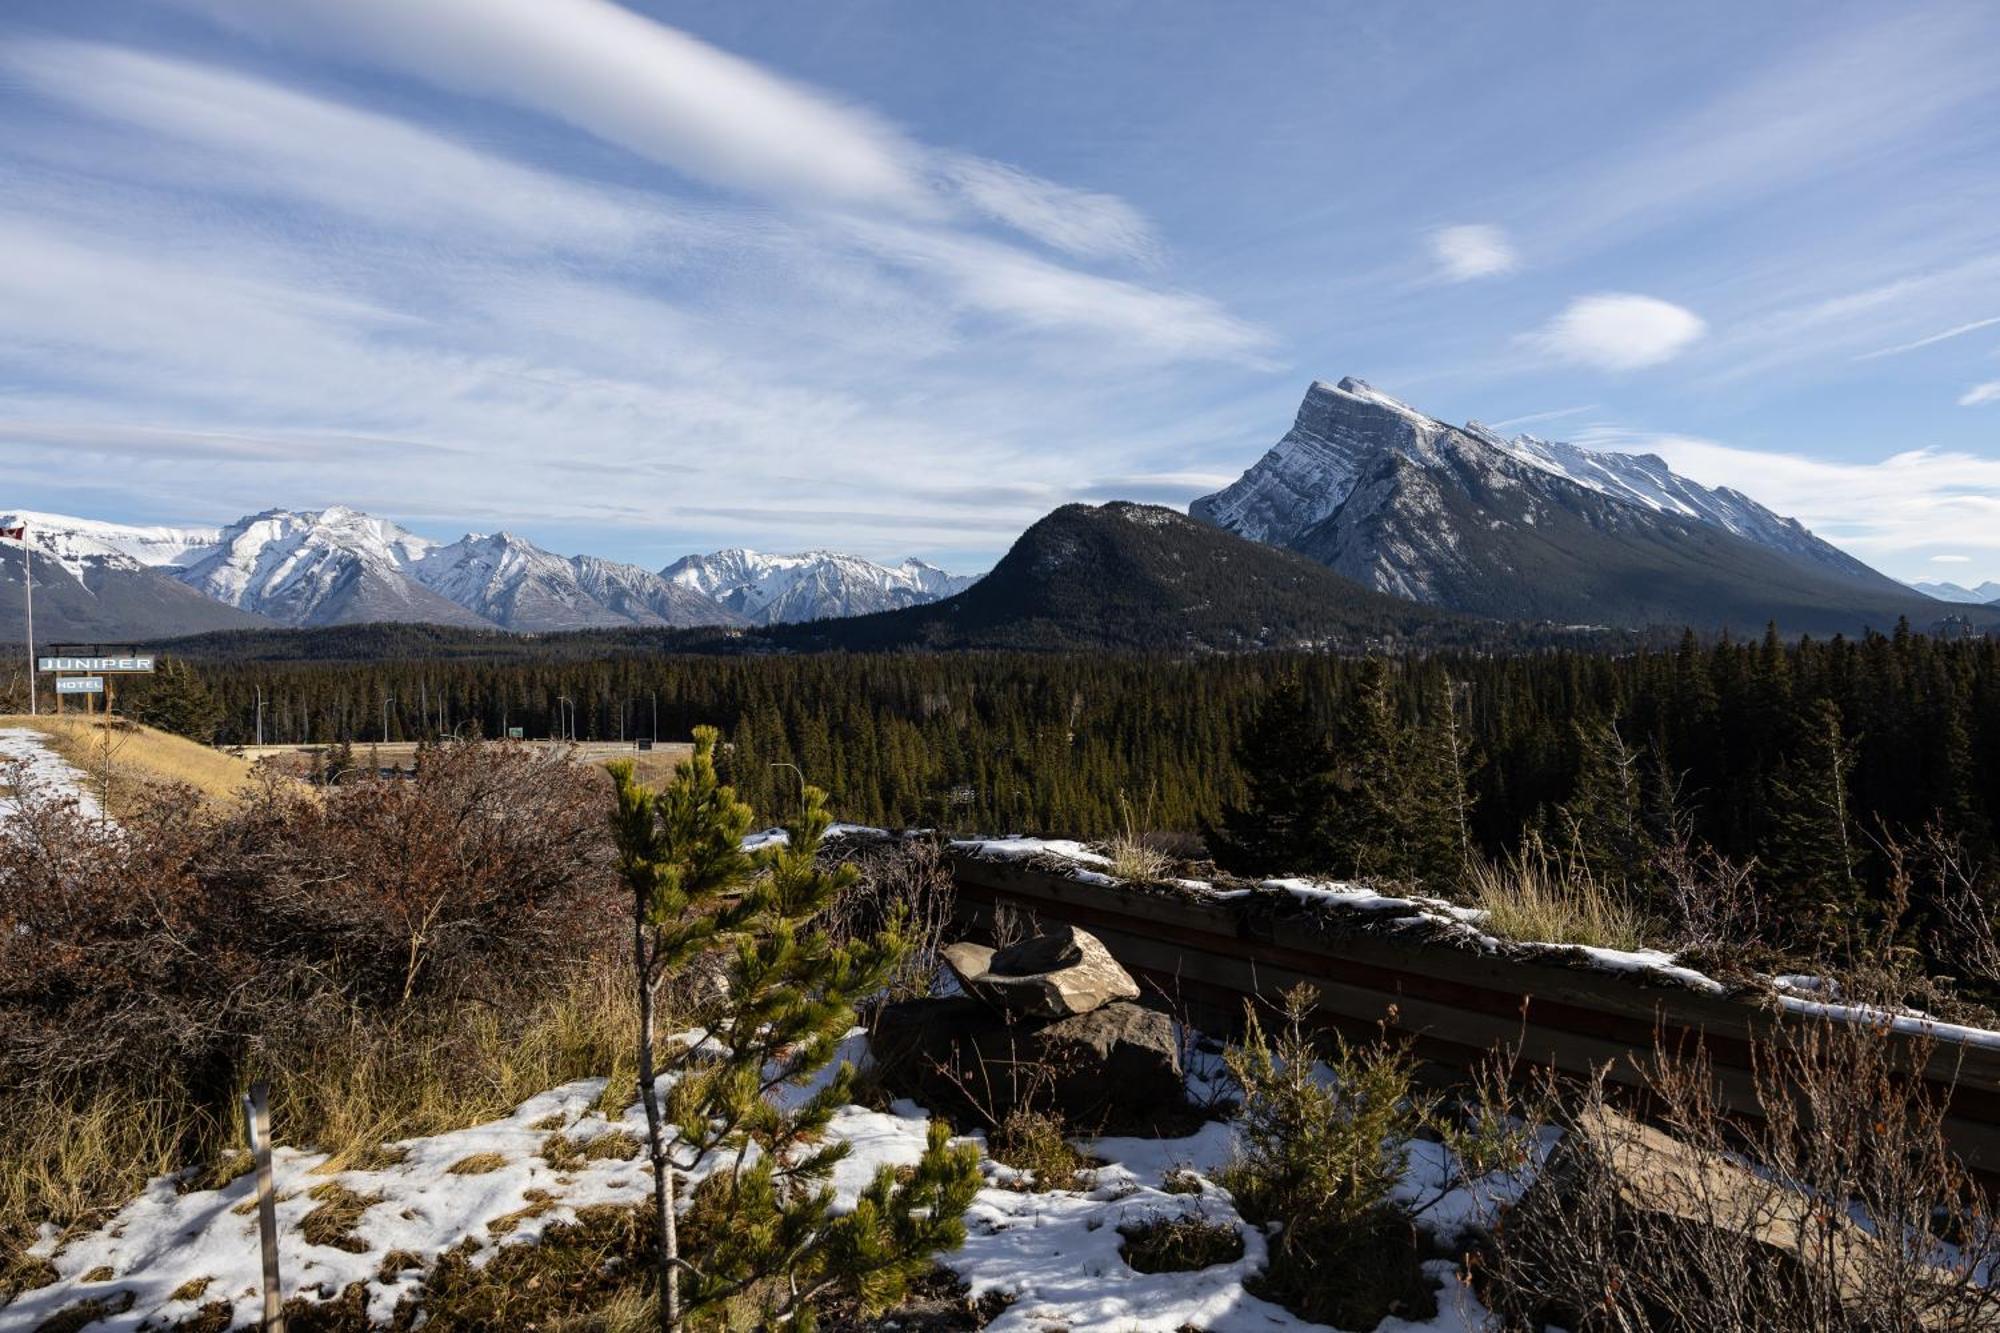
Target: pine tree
791,997
1284,823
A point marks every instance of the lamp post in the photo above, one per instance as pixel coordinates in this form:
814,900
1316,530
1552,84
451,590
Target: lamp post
260,717
656,716
387,699
566,709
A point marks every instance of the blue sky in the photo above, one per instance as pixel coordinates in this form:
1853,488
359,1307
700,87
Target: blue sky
898,278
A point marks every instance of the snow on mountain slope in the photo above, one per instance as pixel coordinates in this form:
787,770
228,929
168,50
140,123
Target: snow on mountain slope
335,566
1985,594
816,585
520,586
1342,427
76,543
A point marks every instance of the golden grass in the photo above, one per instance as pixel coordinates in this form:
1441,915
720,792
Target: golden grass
1534,898
71,1162
128,756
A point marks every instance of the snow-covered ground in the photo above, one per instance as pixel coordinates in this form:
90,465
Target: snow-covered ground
1054,1255
27,762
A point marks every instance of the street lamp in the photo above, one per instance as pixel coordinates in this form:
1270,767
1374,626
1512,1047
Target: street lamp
802,780
260,717
387,699
563,701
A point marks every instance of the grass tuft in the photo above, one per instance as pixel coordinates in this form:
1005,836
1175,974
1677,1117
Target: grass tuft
1034,1141
1179,1244
1536,899
478,1164
332,1223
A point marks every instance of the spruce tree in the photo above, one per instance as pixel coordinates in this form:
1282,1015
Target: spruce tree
177,699
1603,823
1437,816
1285,822
774,1238
1813,861
1371,833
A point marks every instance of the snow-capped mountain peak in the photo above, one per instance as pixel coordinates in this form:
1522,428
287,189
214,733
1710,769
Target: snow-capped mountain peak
1341,428
770,589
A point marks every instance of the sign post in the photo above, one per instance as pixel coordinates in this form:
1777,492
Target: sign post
82,670
257,1120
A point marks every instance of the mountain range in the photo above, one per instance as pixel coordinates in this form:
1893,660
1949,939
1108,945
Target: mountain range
338,566
1530,530
1986,594
1367,522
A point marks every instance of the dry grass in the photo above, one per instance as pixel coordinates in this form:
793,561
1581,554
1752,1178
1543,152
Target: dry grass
365,1091
1133,860
122,757
1535,898
72,1162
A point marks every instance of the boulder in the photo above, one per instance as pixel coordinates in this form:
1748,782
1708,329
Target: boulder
1054,975
1116,1068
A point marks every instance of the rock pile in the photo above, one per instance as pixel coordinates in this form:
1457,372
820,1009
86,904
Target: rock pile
1048,1022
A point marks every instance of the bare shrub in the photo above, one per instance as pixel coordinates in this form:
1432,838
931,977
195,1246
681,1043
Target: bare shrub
398,958
907,882
1838,1206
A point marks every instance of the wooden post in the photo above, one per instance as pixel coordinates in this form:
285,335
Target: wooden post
257,1119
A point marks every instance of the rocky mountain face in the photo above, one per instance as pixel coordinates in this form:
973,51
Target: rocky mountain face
1133,576
338,566
1525,529
817,585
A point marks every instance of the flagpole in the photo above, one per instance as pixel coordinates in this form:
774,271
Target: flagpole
28,571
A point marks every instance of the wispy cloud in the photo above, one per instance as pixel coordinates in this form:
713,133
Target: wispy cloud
1472,251
1980,394
1951,559
1954,332
1619,331
1896,510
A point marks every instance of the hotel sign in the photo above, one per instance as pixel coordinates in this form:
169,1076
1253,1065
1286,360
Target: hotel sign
97,664
80,685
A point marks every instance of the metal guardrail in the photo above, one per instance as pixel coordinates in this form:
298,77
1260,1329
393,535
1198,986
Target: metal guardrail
1455,1003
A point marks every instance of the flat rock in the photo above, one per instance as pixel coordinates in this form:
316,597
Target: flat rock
1058,974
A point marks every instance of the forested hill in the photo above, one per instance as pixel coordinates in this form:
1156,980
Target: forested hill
1133,576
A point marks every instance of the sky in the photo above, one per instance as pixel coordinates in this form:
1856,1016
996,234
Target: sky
897,278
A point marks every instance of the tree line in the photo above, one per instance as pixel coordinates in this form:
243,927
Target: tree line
1059,743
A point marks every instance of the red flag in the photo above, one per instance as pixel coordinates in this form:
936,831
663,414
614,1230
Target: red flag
19,534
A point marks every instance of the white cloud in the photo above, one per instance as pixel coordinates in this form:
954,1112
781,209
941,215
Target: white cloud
1951,559
701,111
1897,511
1473,251
1980,394
1619,331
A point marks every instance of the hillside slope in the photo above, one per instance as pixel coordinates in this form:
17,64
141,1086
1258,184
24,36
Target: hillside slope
1132,576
